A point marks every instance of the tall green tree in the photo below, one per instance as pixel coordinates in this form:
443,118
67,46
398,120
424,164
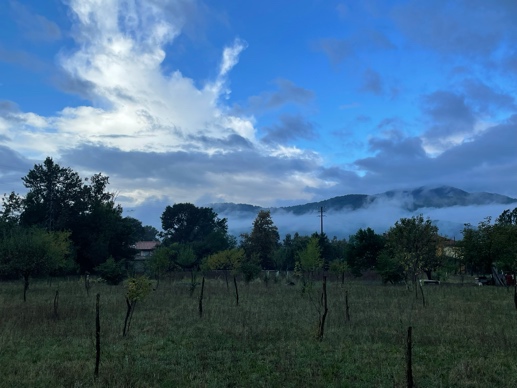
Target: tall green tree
491,243
507,217
142,232
326,249
505,230
59,200
413,244
263,240
186,223
478,248
199,227
286,255
55,196
148,233
12,207
470,251
102,233
364,248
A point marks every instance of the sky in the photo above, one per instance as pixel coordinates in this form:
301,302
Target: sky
270,103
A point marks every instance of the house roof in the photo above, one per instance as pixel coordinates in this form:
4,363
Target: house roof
146,245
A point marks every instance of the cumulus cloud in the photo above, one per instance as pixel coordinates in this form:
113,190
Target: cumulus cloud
194,176
454,117
139,109
487,159
450,119
13,165
135,105
486,99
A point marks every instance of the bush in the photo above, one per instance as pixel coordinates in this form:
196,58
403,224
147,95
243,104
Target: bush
390,270
111,271
250,271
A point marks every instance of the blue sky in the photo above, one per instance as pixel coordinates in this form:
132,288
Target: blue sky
269,103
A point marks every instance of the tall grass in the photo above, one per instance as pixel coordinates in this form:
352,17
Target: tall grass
464,337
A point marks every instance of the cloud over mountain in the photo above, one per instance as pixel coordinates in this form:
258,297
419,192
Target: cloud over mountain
448,207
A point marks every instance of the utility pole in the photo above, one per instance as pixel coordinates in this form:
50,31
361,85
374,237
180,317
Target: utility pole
321,220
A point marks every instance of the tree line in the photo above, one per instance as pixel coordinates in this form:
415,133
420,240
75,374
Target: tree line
67,224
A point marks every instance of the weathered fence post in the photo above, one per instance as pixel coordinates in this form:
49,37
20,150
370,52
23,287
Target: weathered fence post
347,307
236,290
422,292
409,361
325,309
97,336
201,298
56,305
87,283
515,294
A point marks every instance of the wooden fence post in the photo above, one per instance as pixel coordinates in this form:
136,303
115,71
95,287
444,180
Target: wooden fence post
409,360
97,335
201,298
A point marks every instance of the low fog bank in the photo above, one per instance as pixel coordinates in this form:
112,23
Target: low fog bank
379,216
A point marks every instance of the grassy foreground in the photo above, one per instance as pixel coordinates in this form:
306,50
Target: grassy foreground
465,337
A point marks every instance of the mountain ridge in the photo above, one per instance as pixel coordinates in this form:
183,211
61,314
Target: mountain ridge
411,200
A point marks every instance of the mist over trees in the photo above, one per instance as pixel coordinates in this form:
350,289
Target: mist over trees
69,224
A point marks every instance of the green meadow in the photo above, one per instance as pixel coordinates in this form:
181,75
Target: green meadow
465,336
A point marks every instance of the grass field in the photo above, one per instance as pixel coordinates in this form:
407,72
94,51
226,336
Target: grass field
465,337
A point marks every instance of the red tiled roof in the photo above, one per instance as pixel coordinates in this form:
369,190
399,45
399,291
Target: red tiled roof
146,245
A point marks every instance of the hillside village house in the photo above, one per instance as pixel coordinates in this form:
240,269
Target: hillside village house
145,251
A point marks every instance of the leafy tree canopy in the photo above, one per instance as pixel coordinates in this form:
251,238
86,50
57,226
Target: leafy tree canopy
198,227
59,200
310,258
142,232
413,244
28,252
263,240
364,248
186,223
491,243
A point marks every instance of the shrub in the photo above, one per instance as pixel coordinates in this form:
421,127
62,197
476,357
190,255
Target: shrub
250,271
111,271
390,270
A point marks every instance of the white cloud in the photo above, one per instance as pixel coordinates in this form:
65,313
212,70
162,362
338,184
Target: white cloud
135,105
231,56
120,48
